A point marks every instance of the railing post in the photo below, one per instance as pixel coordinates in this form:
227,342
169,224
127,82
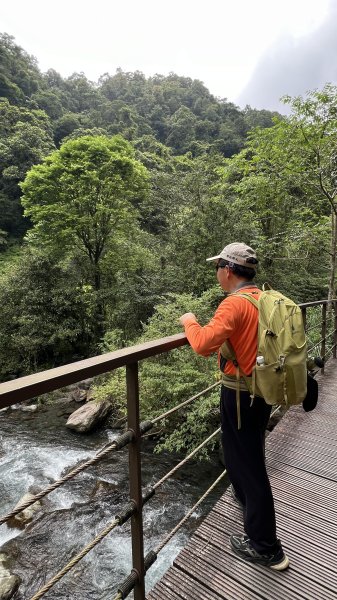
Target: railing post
135,479
304,317
334,353
323,334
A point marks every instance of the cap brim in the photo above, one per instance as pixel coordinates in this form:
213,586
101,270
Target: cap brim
214,257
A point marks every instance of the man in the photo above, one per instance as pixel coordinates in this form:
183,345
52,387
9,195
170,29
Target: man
243,423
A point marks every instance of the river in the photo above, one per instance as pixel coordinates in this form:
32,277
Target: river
35,449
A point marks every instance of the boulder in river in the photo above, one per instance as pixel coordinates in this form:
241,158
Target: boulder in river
24,407
88,416
29,408
79,395
86,383
9,583
27,514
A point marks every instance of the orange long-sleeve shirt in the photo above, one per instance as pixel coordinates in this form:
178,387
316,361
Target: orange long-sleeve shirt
235,319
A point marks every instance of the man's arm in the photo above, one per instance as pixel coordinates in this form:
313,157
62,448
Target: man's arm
208,339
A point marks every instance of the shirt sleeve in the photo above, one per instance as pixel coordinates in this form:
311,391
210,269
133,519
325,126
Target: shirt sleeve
208,339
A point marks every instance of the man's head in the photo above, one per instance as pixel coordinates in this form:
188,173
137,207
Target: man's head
236,262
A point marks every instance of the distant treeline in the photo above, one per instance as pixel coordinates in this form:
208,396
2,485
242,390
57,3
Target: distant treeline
44,109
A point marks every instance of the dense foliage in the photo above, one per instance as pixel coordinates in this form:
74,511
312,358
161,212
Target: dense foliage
113,194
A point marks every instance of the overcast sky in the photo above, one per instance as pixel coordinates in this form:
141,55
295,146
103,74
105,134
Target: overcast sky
248,51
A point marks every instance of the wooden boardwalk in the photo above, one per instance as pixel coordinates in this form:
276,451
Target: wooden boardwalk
302,464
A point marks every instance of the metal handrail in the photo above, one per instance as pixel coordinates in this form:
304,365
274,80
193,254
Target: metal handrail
324,335
316,303
30,386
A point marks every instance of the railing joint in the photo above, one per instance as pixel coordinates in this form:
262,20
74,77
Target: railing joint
130,509
148,495
136,573
125,438
145,426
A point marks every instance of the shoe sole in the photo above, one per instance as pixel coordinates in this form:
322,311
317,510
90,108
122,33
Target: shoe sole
282,565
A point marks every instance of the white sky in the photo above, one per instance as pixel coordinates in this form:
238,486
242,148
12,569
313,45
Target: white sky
217,41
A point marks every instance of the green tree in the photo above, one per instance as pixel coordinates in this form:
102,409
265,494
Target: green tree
272,195
182,129
82,199
26,137
49,102
44,318
81,93
197,222
258,118
313,122
64,126
19,74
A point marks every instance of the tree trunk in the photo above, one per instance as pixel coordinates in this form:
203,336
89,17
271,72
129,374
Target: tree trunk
97,278
99,308
333,252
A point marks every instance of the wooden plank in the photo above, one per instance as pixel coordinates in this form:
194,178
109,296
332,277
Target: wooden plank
311,502
317,438
306,481
178,584
305,463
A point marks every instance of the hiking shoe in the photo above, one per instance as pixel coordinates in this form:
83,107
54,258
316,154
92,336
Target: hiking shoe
243,548
234,496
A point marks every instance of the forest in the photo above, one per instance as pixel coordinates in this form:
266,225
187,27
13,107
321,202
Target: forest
112,195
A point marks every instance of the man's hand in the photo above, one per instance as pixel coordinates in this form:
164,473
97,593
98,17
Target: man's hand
185,317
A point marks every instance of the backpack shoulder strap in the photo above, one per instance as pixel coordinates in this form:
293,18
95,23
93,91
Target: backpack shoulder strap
250,298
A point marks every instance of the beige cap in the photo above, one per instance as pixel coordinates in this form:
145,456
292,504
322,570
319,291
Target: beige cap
239,254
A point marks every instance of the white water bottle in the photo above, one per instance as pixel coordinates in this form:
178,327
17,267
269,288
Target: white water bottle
260,360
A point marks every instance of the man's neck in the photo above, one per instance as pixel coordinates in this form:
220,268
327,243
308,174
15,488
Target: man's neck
243,283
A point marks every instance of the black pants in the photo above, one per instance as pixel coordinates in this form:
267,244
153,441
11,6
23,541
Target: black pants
245,463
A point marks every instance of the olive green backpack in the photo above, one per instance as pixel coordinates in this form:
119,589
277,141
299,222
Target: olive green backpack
281,376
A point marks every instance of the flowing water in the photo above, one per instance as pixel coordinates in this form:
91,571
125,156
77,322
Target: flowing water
35,449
